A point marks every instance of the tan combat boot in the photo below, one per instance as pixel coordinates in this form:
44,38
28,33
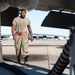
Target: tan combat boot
26,60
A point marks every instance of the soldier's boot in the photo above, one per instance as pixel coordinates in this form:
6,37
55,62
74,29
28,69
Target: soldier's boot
18,59
26,60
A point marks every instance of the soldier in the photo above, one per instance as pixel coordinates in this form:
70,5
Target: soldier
20,28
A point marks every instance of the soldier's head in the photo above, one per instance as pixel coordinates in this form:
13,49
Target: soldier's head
23,13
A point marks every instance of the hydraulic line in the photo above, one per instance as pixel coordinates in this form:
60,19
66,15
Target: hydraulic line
62,61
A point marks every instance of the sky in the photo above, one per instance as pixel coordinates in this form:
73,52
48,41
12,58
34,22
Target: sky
36,17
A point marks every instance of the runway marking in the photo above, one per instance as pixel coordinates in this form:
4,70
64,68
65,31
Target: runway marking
48,56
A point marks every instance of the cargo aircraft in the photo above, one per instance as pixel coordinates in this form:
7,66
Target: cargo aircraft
64,18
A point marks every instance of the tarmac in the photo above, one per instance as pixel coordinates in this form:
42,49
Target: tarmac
43,54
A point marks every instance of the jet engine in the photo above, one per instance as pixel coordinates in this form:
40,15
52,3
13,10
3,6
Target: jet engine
24,4
3,5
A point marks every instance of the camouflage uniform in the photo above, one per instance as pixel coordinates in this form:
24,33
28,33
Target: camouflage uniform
21,41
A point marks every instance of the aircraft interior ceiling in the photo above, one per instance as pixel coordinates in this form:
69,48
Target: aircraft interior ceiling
53,19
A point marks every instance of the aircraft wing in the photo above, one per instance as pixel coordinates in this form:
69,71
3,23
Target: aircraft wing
58,19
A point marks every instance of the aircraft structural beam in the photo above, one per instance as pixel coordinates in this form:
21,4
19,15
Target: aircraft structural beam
72,50
1,59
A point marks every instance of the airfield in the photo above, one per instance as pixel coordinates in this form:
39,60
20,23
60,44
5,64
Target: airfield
43,54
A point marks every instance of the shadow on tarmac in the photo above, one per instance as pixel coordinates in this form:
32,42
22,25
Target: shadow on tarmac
31,69
34,57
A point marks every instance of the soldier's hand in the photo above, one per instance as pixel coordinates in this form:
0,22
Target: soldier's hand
32,39
14,36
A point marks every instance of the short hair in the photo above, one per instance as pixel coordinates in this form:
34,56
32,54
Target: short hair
22,10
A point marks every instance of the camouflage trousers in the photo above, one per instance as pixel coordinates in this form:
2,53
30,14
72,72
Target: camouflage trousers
21,42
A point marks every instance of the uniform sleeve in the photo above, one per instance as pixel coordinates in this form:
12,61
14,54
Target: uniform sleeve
14,21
